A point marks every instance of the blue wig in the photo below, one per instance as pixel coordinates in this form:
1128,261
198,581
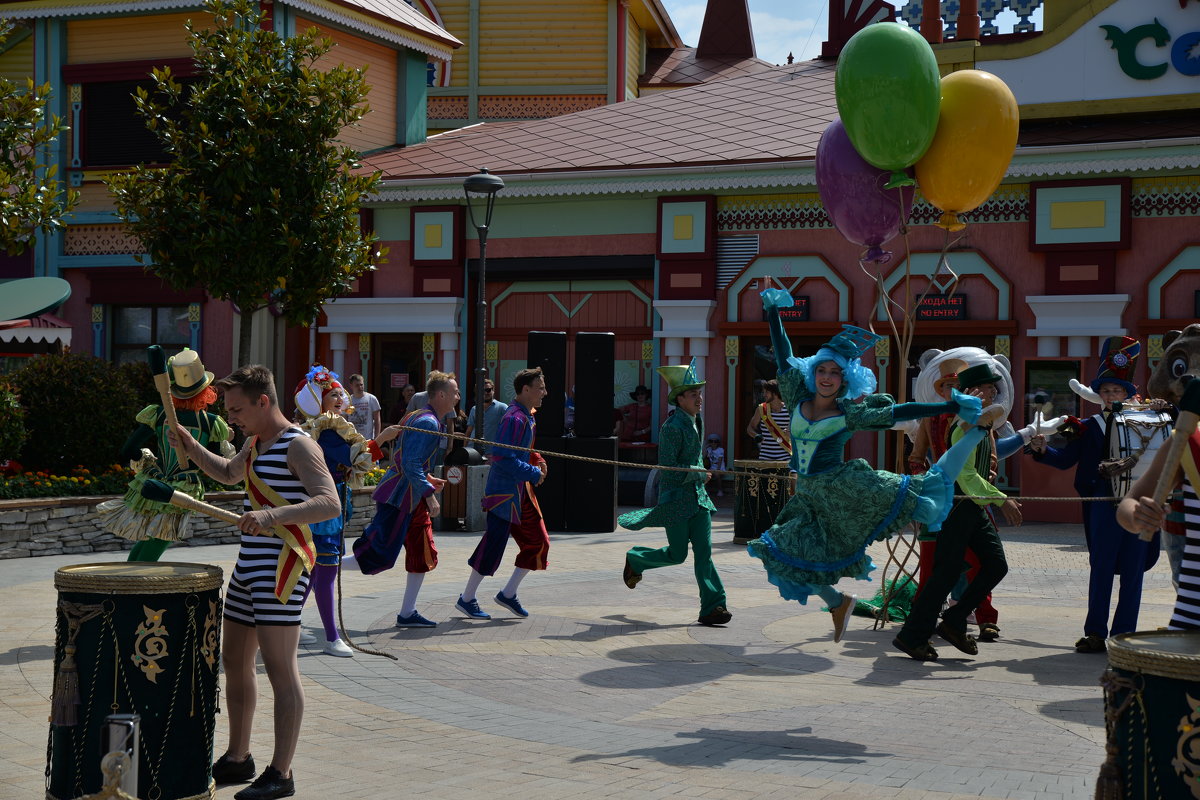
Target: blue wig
857,380
845,349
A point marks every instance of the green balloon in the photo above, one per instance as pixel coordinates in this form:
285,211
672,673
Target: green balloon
888,95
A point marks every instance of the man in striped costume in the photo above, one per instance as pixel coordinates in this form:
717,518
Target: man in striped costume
771,425
287,487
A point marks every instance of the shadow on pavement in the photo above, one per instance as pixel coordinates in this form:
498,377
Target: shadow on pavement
659,666
709,747
27,653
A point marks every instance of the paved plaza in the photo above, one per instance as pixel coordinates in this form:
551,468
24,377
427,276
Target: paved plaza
605,692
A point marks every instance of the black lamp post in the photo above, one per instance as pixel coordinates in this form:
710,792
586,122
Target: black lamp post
485,184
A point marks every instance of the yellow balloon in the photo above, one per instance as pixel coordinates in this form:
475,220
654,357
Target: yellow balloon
975,139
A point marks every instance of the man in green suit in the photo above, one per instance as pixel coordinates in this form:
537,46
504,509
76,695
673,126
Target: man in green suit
684,508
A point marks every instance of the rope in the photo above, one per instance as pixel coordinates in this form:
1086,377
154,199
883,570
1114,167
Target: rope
714,472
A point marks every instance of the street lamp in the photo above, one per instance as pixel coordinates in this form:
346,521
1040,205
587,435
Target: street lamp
485,184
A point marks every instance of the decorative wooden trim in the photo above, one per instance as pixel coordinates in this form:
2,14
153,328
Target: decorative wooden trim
455,234
710,228
1121,243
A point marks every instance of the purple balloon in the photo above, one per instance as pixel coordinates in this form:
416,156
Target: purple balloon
852,191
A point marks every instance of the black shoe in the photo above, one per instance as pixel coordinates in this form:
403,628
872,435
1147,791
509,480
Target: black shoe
718,616
959,639
1091,644
630,577
268,786
226,770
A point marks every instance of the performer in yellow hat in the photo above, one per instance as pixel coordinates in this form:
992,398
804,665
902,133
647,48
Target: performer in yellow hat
151,525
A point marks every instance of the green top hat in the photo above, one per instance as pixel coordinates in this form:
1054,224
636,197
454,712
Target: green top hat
679,378
977,375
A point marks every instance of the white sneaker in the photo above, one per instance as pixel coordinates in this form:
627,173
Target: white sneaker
338,648
307,636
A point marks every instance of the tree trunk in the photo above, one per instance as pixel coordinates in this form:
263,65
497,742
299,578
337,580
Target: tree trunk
244,337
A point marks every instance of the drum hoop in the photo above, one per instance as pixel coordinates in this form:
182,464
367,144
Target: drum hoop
205,795
203,577
1160,664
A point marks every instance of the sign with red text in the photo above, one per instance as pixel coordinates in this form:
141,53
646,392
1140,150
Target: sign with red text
943,307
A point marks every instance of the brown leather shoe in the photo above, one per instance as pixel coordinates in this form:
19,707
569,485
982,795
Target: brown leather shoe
630,577
923,653
961,641
988,631
841,616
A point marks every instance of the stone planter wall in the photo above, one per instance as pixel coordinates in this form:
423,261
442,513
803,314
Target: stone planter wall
68,525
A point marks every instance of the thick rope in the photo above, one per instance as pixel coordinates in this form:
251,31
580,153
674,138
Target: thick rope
714,472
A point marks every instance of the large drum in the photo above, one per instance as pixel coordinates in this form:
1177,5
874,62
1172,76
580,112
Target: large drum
1136,437
761,489
1152,714
142,638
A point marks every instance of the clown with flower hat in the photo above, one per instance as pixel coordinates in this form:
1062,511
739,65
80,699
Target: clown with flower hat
322,399
684,508
152,525
840,507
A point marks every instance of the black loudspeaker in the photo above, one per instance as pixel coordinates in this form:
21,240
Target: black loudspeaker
549,351
594,378
591,497
552,494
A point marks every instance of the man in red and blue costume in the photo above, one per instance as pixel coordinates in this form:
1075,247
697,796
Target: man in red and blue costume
406,503
511,506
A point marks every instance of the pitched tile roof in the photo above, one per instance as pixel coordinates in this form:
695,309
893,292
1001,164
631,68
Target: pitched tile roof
765,117
682,67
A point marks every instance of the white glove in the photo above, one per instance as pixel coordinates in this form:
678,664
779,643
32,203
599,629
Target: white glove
1047,427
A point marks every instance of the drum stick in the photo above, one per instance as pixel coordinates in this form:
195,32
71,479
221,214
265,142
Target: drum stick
162,382
160,492
1185,426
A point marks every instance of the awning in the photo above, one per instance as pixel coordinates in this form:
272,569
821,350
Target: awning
45,328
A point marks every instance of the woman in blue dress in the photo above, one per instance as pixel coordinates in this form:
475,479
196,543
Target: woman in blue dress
841,507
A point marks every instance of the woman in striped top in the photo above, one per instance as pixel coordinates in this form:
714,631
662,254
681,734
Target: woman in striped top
288,487
771,425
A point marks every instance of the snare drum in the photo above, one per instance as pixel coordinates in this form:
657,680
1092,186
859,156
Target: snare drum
1152,711
761,490
1136,437
144,638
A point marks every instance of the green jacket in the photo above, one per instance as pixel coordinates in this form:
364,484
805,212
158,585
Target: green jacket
680,494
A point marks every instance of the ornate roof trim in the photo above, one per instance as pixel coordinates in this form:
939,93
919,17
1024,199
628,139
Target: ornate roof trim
1028,163
41,9
364,24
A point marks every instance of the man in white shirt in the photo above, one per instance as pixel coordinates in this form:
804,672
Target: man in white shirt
365,417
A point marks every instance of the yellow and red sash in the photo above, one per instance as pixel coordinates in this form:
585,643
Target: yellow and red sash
299,555
784,439
1190,457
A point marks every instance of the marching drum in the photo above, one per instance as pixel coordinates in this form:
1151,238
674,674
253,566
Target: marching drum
1152,716
136,638
1135,437
761,490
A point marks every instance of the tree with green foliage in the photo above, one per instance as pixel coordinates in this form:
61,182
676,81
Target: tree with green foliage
12,423
259,203
33,200
78,411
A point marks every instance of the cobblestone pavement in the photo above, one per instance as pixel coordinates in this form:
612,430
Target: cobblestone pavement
605,692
